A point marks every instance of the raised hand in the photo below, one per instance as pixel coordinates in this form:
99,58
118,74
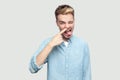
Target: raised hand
57,39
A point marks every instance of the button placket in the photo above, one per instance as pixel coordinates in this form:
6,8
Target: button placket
67,63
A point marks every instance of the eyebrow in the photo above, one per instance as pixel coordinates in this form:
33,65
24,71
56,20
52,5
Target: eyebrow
62,21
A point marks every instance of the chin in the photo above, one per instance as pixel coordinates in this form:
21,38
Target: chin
67,37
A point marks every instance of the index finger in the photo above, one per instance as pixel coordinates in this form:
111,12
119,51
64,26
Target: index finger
62,31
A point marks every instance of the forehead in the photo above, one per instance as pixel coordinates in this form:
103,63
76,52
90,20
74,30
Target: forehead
66,17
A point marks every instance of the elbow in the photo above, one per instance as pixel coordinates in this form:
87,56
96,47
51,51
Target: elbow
32,67
32,70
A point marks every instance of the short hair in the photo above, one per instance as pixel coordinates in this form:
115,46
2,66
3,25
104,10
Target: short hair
64,9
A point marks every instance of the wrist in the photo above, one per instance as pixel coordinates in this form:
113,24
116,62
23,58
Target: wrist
50,44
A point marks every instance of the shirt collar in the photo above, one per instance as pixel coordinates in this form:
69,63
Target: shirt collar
71,39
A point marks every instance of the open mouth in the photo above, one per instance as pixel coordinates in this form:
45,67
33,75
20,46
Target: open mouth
67,34
68,30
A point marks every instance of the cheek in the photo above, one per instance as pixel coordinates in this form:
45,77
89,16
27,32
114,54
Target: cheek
61,27
72,25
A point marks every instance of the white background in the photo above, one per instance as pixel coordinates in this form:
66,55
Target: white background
25,23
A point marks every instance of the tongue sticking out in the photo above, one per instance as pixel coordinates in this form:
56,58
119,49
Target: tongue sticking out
68,32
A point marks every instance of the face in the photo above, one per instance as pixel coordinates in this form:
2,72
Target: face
66,21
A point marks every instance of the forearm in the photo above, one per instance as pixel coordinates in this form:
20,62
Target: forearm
56,40
44,54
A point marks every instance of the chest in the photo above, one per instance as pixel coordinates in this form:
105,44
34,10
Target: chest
73,55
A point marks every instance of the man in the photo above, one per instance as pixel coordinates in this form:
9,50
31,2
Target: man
67,56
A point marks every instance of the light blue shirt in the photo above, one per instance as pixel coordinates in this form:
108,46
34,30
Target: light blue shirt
65,63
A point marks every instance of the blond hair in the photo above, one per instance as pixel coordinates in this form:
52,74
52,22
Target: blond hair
64,9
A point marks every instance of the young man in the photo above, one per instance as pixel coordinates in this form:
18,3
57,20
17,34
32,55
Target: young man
67,56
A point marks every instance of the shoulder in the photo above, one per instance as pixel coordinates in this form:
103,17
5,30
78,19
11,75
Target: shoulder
79,41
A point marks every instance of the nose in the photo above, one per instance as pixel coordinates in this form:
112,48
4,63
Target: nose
66,25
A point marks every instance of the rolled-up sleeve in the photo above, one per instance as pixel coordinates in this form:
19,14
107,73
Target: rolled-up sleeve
86,64
33,67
